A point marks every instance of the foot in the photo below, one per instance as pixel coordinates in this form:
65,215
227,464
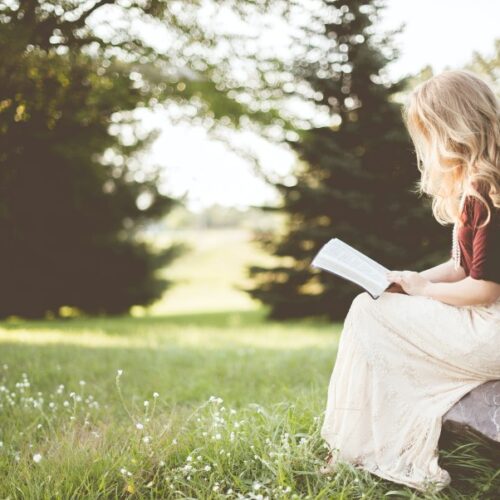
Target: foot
331,465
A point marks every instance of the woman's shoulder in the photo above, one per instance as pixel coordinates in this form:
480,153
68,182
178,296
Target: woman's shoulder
476,210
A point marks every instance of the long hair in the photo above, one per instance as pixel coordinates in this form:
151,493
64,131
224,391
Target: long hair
453,121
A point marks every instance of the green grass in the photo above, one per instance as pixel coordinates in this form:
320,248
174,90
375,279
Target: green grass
209,340
209,276
260,438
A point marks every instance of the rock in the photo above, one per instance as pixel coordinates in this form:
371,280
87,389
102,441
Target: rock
477,413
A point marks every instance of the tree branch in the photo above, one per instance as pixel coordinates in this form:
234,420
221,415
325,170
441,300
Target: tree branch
80,21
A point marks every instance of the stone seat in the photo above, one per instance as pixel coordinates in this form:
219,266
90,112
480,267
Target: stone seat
477,413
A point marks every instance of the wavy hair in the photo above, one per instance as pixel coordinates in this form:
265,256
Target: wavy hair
453,121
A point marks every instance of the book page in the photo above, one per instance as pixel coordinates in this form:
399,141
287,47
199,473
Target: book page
342,259
355,259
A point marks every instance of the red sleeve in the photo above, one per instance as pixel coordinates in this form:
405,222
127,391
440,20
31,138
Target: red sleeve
485,243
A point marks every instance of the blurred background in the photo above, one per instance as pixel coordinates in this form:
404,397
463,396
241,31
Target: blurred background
194,156
168,170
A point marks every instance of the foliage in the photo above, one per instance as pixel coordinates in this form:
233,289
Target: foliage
75,191
356,176
68,220
488,66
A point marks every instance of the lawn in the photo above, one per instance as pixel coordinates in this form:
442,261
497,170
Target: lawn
196,402
208,405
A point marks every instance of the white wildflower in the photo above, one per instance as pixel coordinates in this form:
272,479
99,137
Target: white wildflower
37,457
139,426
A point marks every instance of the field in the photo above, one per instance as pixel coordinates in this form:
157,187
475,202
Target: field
201,401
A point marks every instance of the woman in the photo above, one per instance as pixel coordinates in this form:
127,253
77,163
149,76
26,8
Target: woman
406,358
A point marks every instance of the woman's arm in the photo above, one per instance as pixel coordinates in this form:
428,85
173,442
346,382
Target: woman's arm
468,291
444,272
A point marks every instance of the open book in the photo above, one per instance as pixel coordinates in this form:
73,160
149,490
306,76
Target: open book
345,261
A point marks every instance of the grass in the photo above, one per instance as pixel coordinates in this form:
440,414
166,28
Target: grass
211,401
236,413
209,276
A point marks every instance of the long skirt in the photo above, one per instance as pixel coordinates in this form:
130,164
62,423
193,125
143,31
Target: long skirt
403,361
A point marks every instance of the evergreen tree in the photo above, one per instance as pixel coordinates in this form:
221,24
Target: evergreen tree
73,194
68,221
488,65
356,178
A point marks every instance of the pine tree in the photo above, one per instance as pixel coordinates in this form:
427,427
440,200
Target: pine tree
74,195
356,178
69,221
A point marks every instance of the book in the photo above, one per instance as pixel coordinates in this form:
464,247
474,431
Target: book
341,259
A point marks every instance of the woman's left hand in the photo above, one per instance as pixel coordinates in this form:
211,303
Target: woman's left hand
411,282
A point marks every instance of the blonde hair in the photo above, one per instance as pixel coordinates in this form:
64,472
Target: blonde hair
453,121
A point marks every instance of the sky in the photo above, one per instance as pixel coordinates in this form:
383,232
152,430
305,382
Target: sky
440,33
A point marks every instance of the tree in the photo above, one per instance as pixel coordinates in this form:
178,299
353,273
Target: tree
69,222
74,192
356,176
488,66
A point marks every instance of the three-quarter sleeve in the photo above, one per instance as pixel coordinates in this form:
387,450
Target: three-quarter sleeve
485,263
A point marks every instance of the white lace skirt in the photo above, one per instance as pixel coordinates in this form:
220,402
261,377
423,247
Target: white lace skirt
403,361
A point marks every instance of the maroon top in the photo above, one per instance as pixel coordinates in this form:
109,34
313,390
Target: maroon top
480,247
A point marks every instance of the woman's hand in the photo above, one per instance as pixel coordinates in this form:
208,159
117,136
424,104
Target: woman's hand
411,282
